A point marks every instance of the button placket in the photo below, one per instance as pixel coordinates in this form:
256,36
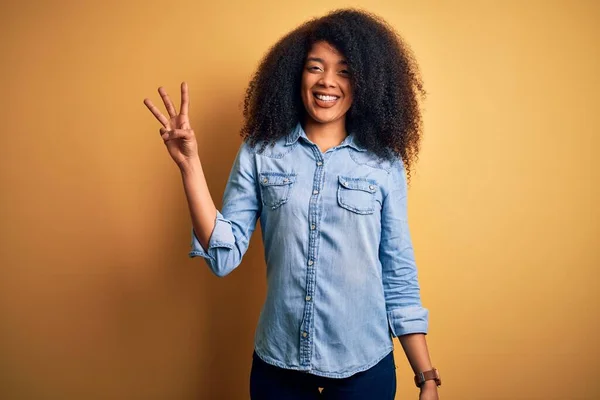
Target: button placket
306,341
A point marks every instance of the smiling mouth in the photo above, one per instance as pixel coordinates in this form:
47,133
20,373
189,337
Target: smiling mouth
325,98
325,101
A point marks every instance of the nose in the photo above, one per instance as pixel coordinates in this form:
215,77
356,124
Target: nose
327,79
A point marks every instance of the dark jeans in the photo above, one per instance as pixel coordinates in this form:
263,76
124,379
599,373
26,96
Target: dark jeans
268,382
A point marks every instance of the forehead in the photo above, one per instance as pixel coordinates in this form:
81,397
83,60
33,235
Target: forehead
326,52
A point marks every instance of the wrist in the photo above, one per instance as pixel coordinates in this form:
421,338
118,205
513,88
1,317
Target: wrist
428,385
190,166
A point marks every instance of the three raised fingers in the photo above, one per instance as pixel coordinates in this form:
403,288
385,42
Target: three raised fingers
185,101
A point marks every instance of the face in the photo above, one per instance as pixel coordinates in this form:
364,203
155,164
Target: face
326,87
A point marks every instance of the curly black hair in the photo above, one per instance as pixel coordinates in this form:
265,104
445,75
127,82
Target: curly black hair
385,115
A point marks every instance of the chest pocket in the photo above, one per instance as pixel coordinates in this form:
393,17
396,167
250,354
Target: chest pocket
357,194
275,188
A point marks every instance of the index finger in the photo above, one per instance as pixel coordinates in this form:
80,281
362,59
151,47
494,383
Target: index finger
154,110
185,99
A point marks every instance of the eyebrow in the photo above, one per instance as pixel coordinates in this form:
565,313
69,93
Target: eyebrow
317,59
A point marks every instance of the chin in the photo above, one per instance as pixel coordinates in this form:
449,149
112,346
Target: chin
324,119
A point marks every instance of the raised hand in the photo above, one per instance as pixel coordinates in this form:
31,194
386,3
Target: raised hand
176,130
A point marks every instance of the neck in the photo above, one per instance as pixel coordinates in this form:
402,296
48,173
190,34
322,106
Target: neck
328,134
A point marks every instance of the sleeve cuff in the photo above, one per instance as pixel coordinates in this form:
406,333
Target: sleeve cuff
222,236
410,319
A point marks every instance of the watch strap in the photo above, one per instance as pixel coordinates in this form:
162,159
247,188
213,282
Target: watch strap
432,374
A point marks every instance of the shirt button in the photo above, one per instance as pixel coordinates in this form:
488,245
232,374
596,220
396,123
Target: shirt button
286,180
312,227
308,298
319,163
315,191
310,262
265,180
304,334
371,187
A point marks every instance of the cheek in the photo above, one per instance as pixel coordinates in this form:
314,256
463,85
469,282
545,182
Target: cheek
303,84
349,99
307,81
305,90
349,94
305,99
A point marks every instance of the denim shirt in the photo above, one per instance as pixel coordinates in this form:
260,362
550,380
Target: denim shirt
341,273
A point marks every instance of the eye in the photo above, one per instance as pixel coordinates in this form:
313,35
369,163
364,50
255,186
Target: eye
345,72
314,68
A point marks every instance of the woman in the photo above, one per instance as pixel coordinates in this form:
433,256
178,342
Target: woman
332,122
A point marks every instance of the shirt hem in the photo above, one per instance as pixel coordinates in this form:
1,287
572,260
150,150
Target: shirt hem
325,374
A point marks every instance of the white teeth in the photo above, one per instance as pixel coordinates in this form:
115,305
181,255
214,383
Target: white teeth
325,98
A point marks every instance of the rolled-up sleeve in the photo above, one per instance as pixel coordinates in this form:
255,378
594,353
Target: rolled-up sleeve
236,221
399,272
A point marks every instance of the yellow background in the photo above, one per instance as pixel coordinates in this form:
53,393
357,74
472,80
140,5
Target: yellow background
98,299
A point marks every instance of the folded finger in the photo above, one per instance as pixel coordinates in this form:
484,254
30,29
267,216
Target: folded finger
171,134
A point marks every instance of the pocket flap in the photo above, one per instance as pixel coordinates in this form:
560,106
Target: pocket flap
358,184
276,178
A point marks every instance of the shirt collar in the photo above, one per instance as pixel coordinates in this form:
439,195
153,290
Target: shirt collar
298,132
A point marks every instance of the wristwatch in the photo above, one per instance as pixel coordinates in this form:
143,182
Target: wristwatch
432,374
